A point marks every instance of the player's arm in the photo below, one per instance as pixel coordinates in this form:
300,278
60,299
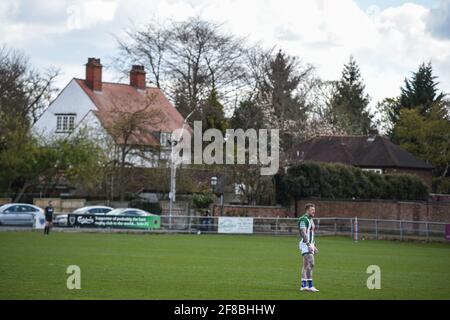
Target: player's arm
302,230
303,235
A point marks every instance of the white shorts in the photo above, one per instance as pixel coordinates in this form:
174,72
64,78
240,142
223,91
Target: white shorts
304,248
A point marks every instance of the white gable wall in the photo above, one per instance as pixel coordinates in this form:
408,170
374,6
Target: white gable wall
72,99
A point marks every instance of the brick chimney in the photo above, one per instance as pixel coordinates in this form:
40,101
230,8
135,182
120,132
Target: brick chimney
373,133
137,77
94,74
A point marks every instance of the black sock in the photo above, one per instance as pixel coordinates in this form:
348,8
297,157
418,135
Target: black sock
45,230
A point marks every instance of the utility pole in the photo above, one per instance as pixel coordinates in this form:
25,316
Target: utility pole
173,169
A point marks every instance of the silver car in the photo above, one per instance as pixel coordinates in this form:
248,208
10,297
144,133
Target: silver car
129,212
61,219
21,214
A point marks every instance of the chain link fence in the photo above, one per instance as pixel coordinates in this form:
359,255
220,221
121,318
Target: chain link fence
356,228
359,228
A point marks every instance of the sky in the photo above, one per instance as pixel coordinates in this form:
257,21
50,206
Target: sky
389,39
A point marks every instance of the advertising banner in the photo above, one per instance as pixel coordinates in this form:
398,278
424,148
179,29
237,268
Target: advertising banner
115,222
39,221
235,225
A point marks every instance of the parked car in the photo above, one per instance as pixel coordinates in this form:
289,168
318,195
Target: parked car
129,212
22,214
60,220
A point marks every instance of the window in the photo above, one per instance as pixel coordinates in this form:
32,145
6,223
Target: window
164,156
12,209
65,122
30,209
239,189
379,171
71,122
164,139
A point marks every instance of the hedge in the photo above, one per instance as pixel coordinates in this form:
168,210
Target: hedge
338,181
441,185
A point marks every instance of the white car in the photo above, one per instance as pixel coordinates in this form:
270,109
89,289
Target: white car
22,214
129,212
61,219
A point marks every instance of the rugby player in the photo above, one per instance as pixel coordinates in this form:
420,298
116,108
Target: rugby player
307,247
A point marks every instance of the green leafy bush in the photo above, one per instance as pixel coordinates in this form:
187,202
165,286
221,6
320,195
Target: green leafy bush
203,200
338,181
441,185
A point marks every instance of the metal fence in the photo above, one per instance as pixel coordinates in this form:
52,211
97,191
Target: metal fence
358,229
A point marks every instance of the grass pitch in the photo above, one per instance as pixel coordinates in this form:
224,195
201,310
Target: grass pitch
126,266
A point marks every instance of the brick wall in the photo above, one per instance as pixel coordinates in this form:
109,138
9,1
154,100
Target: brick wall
5,201
60,205
420,211
252,211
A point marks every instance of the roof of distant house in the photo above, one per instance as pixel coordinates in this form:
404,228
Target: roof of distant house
116,99
361,151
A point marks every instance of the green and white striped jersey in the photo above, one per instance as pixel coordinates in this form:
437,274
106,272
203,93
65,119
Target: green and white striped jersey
306,222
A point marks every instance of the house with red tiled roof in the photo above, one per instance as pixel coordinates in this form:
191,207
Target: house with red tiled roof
102,106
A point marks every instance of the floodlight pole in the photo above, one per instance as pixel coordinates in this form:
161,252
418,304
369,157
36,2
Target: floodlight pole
173,169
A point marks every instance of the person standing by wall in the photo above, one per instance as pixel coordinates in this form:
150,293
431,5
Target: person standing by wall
48,217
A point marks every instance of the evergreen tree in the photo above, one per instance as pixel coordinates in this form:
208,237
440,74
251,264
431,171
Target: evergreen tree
419,93
283,107
282,83
348,105
422,121
421,90
427,137
213,113
248,116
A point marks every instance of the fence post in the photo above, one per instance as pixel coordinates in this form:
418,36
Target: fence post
401,230
189,222
428,231
376,229
276,225
351,228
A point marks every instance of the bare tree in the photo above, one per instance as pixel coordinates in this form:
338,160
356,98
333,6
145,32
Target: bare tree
320,118
24,95
148,47
188,60
24,92
282,88
131,128
253,187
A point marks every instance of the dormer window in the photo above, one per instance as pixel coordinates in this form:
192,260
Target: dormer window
65,122
164,139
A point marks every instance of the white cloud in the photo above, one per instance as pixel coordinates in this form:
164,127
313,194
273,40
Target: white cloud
387,43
